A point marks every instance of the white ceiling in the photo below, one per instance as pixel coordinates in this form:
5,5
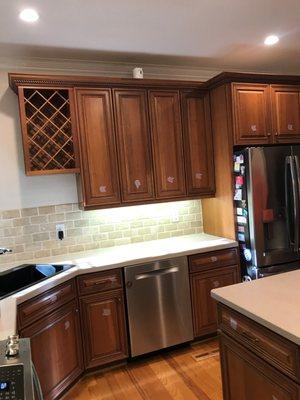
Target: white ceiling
222,34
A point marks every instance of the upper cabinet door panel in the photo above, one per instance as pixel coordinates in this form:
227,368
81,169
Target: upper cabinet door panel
251,114
286,113
167,143
134,145
98,149
198,144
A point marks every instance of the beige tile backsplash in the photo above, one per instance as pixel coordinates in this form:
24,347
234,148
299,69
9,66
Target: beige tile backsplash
31,232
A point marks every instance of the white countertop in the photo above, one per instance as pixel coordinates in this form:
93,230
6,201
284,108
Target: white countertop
272,302
108,258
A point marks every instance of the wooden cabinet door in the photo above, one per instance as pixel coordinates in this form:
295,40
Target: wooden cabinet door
246,377
251,110
99,168
103,327
167,143
203,306
286,113
56,349
198,144
134,144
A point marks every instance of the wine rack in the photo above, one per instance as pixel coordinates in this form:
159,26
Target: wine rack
48,132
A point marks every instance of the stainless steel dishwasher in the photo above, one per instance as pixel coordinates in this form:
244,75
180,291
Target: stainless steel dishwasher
159,305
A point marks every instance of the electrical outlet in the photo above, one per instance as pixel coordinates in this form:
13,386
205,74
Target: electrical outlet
60,228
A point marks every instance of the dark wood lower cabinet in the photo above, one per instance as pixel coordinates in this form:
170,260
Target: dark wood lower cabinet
203,306
81,324
246,377
103,328
56,349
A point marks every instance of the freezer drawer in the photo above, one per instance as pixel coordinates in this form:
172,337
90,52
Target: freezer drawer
159,305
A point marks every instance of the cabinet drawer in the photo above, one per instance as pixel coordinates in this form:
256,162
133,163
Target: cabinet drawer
213,259
41,305
271,347
99,281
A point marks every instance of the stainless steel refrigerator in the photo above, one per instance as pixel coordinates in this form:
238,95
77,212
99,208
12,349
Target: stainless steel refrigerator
267,206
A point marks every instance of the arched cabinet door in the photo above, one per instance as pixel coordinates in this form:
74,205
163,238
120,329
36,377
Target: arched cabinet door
198,144
134,144
167,139
99,167
286,113
56,349
251,111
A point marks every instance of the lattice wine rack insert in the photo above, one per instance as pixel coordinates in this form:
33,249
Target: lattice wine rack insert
49,129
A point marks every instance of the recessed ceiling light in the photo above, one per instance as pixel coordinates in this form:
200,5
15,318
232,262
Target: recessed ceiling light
271,39
29,15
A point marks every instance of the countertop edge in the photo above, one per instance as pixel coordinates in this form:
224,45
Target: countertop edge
77,270
256,318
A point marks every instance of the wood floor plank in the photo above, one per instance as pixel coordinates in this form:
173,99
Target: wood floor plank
204,374
122,386
144,377
173,375
172,381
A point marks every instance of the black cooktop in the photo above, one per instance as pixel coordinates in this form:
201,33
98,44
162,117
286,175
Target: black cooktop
19,278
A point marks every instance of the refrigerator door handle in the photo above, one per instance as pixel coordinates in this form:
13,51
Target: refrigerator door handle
290,168
297,167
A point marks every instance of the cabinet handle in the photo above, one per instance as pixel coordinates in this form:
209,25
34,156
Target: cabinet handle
276,133
106,312
213,259
249,336
290,127
198,175
137,183
103,281
269,134
102,189
233,323
67,325
253,128
54,299
171,179
216,284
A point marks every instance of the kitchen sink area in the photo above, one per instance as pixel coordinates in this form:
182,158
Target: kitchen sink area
24,276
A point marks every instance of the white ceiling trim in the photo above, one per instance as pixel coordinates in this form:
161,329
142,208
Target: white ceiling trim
103,68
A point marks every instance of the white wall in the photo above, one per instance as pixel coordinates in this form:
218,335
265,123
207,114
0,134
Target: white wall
16,189
20,191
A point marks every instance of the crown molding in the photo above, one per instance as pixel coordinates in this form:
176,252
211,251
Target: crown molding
103,68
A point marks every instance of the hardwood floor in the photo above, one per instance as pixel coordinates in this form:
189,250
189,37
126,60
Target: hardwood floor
172,375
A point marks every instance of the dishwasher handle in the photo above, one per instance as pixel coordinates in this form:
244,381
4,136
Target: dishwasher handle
156,272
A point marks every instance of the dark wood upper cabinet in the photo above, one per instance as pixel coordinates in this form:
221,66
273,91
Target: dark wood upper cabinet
134,145
56,349
103,327
198,143
167,143
99,168
251,111
286,113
